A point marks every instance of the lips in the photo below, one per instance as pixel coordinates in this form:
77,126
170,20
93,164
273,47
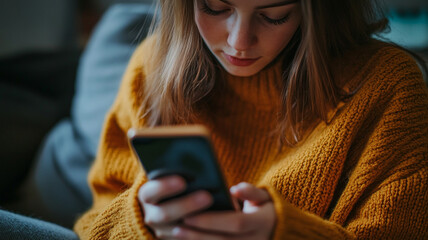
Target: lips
241,62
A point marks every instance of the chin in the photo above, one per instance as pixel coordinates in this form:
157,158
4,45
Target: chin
241,71
242,74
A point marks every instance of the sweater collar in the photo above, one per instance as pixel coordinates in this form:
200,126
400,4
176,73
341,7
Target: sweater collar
262,90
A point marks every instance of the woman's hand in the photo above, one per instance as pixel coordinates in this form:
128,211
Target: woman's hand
256,221
163,218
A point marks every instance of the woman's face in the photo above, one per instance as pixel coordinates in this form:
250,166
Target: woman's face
246,35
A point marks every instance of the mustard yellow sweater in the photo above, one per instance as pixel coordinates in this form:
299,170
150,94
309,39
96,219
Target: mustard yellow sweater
364,174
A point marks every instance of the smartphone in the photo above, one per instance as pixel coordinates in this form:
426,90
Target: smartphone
185,151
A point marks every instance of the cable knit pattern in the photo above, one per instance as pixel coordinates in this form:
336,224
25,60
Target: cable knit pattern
362,175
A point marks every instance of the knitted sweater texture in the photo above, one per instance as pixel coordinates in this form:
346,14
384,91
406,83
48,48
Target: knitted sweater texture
361,175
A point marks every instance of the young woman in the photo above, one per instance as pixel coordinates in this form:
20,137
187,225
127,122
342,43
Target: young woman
320,130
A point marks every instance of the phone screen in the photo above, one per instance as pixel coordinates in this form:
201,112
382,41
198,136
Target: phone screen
188,156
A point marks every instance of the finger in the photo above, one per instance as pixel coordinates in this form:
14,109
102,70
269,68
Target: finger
248,192
164,232
176,209
190,234
155,190
226,222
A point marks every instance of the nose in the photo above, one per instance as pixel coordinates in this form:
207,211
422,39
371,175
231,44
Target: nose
241,36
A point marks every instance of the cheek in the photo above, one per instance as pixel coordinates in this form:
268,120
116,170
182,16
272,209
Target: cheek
209,29
275,44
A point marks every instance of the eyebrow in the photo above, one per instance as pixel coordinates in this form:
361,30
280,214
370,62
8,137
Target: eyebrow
278,4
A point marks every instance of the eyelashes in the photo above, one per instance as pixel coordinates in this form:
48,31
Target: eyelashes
206,9
277,21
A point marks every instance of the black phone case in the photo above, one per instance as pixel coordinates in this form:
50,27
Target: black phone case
188,156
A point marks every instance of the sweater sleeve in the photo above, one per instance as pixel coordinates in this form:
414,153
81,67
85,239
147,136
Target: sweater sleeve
294,223
396,211
387,191
116,174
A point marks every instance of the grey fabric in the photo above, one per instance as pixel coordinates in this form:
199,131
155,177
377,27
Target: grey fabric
13,227
102,66
104,4
70,148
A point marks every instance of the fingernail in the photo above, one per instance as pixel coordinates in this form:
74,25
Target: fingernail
233,189
177,232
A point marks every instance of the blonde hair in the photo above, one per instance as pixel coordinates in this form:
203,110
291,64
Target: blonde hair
186,71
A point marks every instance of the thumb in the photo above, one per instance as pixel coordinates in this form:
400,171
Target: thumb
248,192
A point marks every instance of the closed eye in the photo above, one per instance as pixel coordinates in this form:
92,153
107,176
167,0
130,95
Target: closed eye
206,9
276,21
